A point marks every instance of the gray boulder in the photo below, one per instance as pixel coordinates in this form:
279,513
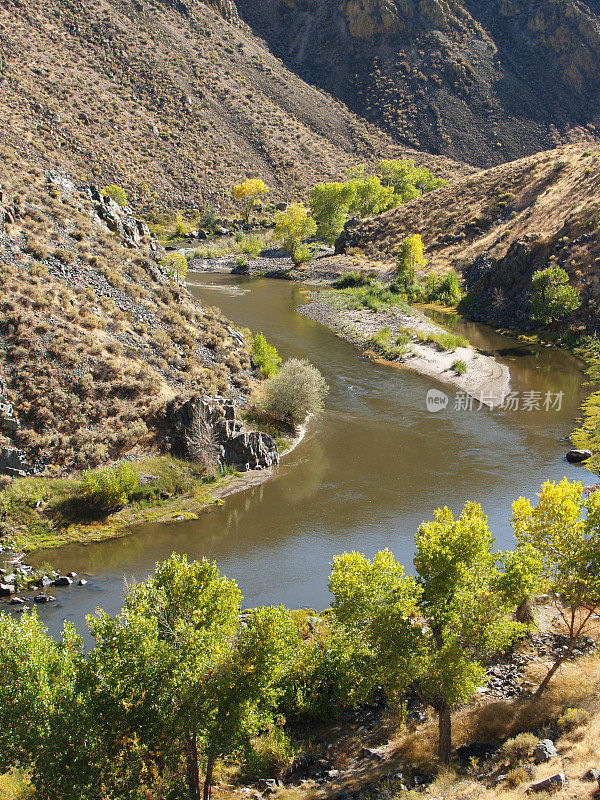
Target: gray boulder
551,784
6,589
43,598
544,751
591,775
63,581
577,456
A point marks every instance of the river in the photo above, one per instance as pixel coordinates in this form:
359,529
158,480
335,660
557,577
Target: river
371,468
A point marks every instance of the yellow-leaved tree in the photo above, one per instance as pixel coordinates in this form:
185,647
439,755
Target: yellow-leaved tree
292,228
248,193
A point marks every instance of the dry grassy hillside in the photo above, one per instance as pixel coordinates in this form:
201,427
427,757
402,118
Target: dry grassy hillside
167,99
498,226
94,339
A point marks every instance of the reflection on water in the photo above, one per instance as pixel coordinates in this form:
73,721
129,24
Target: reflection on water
372,467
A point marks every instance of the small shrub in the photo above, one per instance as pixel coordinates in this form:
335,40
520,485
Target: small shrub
517,776
36,248
116,193
573,718
111,487
520,748
265,356
208,220
64,256
269,756
303,254
296,391
459,366
250,245
351,280
181,229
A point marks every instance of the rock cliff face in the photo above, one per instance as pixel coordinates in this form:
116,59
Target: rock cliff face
484,81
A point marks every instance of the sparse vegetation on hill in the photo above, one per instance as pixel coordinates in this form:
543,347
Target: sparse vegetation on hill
169,101
96,338
483,81
497,228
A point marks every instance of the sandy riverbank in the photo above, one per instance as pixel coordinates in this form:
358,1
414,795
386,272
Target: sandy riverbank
485,379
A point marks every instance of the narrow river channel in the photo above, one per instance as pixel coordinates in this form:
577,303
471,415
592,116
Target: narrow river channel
371,468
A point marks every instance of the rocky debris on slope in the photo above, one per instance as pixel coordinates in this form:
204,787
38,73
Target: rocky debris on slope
129,229
244,450
551,784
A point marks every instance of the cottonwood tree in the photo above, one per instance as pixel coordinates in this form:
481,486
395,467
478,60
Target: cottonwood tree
330,206
411,256
248,194
176,676
176,267
38,675
407,180
292,228
468,590
552,297
564,529
433,633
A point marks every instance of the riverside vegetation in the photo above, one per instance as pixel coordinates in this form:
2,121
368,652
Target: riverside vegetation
180,685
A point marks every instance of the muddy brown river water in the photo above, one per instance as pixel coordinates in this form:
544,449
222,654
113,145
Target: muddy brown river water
371,468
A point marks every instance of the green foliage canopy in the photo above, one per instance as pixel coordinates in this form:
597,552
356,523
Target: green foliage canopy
553,297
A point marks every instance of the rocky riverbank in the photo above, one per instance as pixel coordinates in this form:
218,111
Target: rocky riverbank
483,379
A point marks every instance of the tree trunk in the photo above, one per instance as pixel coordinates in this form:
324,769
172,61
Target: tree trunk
209,775
542,687
445,733
193,773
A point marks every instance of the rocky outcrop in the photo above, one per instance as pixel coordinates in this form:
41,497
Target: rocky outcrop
118,220
251,450
223,432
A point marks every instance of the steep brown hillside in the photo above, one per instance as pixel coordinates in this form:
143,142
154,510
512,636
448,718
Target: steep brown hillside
96,343
167,98
498,226
483,81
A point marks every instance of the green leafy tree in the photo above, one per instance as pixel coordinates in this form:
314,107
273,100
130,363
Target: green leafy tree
370,196
176,267
465,601
293,227
377,603
434,633
411,256
265,356
407,180
553,297
330,206
37,675
175,674
564,530
116,193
